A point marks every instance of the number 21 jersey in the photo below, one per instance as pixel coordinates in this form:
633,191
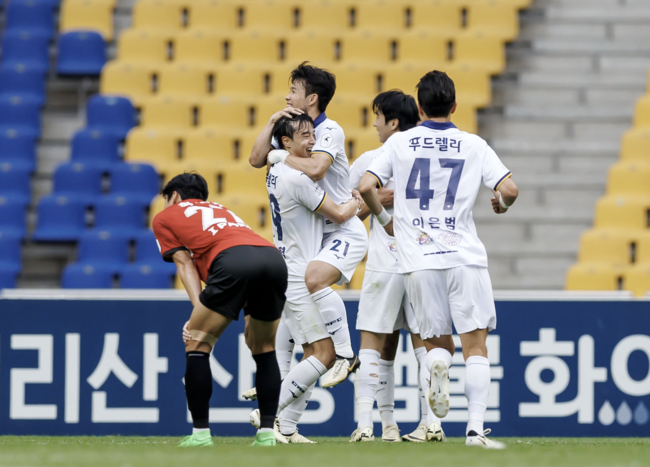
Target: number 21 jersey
437,170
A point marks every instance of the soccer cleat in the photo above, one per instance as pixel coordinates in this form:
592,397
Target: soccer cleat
279,437
438,396
254,418
341,370
417,436
362,436
474,439
435,433
202,438
297,438
264,439
250,395
390,434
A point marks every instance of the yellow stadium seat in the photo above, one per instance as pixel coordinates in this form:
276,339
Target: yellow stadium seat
443,19
157,146
421,46
87,14
227,111
642,112
328,15
137,45
214,14
240,178
266,106
158,14
367,46
211,144
188,80
357,277
493,21
203,46
629,177
205,168
253,46
127,79
637,279
385,15
357,81
238,78
622,212
594,276
267,14
252,209
350,114
520,4
611,246
635,145
167,112
266,233
480,53
310,46
156,206
359,141
465,118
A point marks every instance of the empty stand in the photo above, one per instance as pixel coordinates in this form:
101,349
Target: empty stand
594,276
12,216
103,249
135,81
87,15
119,215
139,182
29,15
83,181
20,113
25,47
24,82
60,219
79,276
148,45
18,147
111,113
145,276
15,183
156,146
96,147
158,14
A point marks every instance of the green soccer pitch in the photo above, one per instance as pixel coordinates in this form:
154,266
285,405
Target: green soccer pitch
331,452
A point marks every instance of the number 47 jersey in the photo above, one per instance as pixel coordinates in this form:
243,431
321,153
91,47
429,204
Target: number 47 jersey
437,170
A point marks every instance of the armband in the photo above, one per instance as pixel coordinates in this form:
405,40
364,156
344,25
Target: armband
502,203
277,155
384,218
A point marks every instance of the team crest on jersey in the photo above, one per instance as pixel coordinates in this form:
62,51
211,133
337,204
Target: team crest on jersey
392,246
449,238
326,140
424,239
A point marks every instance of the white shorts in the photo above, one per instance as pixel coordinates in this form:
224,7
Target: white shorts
461,295
384,305
302,317
345,248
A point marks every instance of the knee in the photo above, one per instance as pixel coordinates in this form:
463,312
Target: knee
197,346
314,282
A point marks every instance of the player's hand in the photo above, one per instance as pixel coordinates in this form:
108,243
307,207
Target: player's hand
357,196
386,197
186,333
496,205
389,228
277,155
288,112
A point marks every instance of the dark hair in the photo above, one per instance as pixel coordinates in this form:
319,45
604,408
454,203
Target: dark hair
436,94
395,104
190,185
288,127
316,81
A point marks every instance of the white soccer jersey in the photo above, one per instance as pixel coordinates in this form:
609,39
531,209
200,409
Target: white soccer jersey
382,251
437,170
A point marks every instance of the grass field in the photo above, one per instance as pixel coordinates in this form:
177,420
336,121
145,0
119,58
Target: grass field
334,452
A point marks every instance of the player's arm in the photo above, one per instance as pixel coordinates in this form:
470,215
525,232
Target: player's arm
386,198
338,213
189,274
315,166
262,144
367,188
504,196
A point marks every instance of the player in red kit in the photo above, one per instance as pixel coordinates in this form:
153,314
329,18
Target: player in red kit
209,243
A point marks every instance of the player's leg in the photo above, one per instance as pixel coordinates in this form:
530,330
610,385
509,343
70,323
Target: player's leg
284,345
386,394
366,384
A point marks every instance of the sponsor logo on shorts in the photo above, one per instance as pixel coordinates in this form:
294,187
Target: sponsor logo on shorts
449,238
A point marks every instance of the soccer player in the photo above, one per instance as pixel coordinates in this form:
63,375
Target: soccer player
209,243
383,306
298,205
344,246
437,171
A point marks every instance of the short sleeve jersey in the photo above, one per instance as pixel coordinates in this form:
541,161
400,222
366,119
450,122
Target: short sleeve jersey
203,228
437,171
297,228
382,250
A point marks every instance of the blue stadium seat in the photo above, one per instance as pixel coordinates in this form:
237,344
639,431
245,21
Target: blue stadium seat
80,180
30,15
12,216
119,215
15,182
96,147
103,249
18,147
139,182
147,252
20,113
7,279
30,49
145,276
86,276
115,113
11,257
60,219
81,53
21,80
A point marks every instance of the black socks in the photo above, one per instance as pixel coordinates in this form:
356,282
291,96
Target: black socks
267,382
198,387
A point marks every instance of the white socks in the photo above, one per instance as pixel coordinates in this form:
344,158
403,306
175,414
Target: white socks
477,386
284,348
298,381
437,354
292,413
366,383
332,309
200,430
425,383
386,393
420,353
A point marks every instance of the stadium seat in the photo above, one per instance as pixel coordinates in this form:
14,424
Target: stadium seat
357,82
310,46
350,113
156,146
250,208
119,215
135,181
436,18
149,45
19,80
81,53
110,113
367,46
7,280
168,112
18,147
637,279
20,114
95,147
85,276
253,46
60,219
267,14
147,252
131,80
10,260
79,180
422,46
186,80
629,177
464,117
214,14
211,144
635,144
497,21
519,4
611,246
156,206
15,183
266,106
237,113
206,168
384,15
622,212
146,276
103,249
324,15
242,178
479,53
25,47
204,47
87,15
642,245
361,140
642,112
12,215
29,15
158,14
240,79
594,276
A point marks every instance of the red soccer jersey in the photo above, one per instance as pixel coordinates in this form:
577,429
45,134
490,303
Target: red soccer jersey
203,228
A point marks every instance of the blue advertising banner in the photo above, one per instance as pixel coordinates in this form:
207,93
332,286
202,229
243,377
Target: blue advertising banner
99,367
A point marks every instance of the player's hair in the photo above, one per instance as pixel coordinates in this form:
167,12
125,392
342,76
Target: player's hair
288,127
394,104
436,94
316,81
190,185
